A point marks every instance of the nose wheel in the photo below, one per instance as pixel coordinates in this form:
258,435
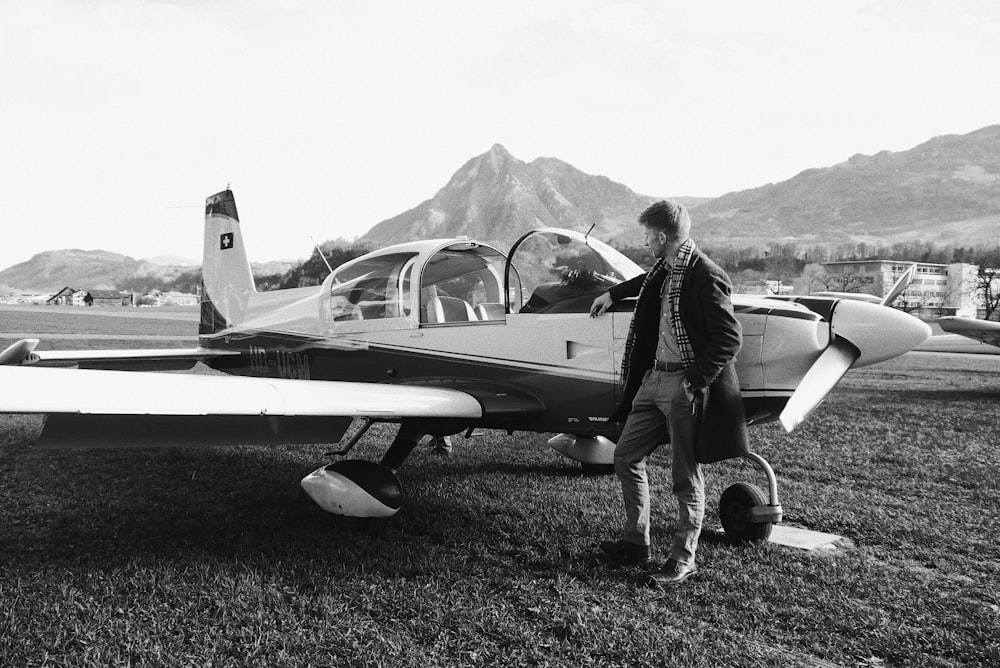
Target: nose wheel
746,513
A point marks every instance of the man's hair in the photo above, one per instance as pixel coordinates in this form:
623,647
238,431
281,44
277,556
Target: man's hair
668,217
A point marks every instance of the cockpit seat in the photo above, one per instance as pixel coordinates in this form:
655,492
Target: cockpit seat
449,309
490,311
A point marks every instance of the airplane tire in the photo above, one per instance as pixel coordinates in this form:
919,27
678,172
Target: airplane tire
735,501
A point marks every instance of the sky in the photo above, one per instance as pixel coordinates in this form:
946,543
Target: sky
325,117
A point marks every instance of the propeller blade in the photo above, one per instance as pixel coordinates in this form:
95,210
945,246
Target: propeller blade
822,376
900,285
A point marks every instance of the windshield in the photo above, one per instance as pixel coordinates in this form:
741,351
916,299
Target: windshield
560,271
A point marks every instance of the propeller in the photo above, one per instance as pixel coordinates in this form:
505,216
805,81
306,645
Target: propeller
822,376
861,334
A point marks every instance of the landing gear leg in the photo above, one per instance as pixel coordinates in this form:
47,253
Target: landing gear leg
406,440
746,514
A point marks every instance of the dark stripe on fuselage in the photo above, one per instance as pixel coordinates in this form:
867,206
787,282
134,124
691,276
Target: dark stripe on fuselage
526,399
522,398
776,311
822,306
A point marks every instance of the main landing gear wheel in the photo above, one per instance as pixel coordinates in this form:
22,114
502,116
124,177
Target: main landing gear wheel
734,512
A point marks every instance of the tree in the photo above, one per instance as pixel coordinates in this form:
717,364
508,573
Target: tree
988,284
812,279
313,270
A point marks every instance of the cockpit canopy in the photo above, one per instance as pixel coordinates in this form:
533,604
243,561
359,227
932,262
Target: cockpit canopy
460,281
454,281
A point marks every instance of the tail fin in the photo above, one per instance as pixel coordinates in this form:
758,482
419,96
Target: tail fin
226,283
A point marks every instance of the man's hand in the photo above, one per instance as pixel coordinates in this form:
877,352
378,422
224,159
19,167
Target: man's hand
601,304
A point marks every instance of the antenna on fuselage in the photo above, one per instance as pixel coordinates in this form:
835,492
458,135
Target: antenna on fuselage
588,233
322,257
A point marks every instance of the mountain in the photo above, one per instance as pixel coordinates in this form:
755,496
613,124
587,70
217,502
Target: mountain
102,270
944,191
496,198
52,270
173,260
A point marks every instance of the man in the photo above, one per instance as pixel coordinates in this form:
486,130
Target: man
679,355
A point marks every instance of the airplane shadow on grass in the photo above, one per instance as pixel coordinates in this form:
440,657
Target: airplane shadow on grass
117,507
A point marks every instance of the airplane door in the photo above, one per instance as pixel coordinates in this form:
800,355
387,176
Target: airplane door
551,279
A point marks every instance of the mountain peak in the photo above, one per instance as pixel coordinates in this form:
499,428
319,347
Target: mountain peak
495,197
499,157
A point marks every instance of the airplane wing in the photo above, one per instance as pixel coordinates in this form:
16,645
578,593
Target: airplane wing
985,331
89,408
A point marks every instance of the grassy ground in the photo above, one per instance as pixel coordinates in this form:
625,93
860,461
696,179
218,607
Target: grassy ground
218,558
75,327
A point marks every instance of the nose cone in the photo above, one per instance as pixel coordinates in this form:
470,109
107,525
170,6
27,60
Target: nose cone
879,332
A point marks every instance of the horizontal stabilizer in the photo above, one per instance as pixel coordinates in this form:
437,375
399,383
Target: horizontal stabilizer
19,353
153,359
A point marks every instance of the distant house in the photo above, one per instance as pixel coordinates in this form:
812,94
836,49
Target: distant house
109,298
73,297
67,296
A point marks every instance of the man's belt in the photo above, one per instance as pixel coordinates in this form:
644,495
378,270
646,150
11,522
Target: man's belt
667,366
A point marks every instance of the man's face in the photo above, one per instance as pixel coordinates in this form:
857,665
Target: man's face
659,245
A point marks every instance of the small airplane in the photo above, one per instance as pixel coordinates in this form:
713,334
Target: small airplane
984,331
439,336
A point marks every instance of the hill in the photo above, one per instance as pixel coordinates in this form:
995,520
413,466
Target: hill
103,270
93,269
945,191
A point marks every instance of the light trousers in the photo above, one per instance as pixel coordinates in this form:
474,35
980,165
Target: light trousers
661,411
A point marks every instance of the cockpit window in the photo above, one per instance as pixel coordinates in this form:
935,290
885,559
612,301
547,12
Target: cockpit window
556,271
369,288
462,283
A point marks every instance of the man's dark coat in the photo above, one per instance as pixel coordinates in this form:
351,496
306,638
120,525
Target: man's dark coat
707,312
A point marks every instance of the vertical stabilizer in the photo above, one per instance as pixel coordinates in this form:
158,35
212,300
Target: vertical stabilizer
226,279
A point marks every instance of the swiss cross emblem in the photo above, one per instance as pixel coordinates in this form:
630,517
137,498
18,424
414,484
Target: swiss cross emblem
226,241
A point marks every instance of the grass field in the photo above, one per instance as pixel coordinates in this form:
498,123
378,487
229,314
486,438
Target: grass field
217,557
70,327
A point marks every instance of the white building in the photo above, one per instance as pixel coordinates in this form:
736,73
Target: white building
936,289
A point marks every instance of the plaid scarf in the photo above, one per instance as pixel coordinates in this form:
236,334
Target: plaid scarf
655,280
680,269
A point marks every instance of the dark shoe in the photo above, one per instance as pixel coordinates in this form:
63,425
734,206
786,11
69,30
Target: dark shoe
671,574
626,552
442,445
